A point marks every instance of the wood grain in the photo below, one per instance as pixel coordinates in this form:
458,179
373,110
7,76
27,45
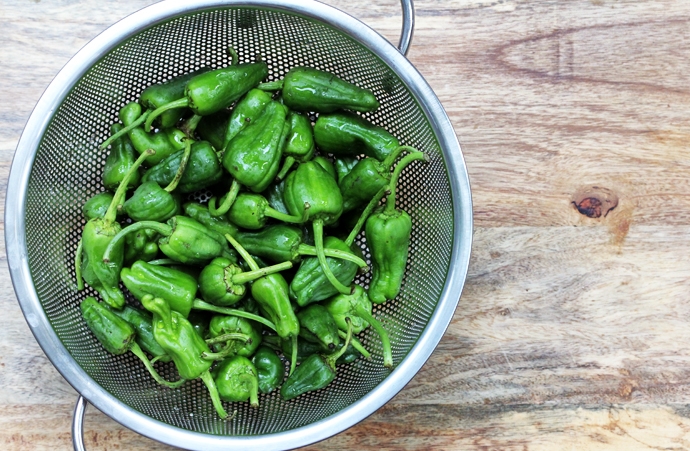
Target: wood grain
572,332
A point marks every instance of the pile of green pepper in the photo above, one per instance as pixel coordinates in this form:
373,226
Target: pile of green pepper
253,291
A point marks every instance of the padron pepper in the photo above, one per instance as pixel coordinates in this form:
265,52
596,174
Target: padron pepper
245,112
157,95
243,312
202,169
388,232
142,245
314,373
120,158
237,380
165,142
219,224
356,308
183,239
252,211
117,335
307,348
215,90
222,282
317,325
212,129
326,164
142,322
98,235
311,90
176,287
343,166
96,206
300,142
222,326
347,134
269,369
185,347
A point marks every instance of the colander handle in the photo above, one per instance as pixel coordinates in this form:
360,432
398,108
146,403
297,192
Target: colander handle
78,424
407,27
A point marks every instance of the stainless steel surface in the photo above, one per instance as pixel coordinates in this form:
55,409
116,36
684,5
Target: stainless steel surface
57,166
78,424
408,26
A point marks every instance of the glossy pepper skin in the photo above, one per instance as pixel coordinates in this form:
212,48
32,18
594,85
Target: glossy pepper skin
164,143
245,112
120,158
157,95
202,170
252,211
326,164
142,322
212,129
275,242
185,347
318,325
223,324
299,146
306,89
218,224
343,166
314,373
253,156
346,134
237,380
177,288
97,205
142,245
307,348
98,235
269,369
388,237
150,202
311,192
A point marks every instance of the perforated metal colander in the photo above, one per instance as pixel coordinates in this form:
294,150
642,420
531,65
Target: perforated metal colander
57,167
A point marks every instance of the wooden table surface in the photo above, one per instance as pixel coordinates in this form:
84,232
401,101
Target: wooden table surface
573,329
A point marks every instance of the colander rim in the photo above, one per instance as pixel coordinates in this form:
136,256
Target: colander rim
17,254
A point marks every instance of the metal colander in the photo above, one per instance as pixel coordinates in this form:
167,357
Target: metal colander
57,167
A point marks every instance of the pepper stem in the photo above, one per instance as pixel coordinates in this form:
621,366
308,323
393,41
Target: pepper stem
332,358
183,165
136,350
280,216
191,124
229,336
77,266
179,103
318,242
198,304
293,356
243,252
287,165
390,201
234,57
253,382
356,344
271,85
390,159
305,249
163,262
163,229
137,122
227,202
228,350
213,391
373,203
385,341
248,276
111,213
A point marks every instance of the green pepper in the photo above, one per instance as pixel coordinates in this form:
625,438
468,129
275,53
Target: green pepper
252,157
357,309
252,211
177,288
300,142
346,134
222,325
245,112
97,205
317,325
326,164
212,129
243,312
269,369
203,169
274,196
116,335
120,158
142,245
183,239
157,95
271,293
98,235
223,283
343,166
219,224
307,89
142,322
237,381
311,192
306,348
314,373
180,341
216,90
388,233
165,142
150,202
